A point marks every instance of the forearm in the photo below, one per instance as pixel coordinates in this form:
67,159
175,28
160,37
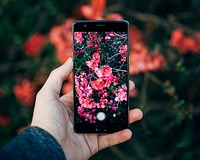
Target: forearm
33,143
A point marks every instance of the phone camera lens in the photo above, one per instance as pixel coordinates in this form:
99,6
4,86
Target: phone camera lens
85,25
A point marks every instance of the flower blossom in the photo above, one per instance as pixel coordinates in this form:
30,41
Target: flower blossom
185,44
123,50
60,38
34,45
121,94
97,84
78,37
25,92
96,57
92,64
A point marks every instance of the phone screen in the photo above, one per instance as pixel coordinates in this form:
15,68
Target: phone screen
101,79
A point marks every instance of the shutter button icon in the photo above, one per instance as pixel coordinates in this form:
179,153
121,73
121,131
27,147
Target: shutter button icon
101,116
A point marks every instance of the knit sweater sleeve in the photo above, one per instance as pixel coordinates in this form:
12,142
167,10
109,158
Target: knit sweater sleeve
33,143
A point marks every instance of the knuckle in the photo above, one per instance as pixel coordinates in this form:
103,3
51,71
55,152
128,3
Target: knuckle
39,94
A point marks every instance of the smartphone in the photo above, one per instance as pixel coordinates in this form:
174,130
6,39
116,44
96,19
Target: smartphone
101,83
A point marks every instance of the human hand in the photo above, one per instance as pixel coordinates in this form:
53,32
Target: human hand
55,115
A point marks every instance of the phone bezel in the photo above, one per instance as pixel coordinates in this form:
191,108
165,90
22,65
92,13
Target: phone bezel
101,26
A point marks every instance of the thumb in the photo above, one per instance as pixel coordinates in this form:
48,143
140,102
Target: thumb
57,76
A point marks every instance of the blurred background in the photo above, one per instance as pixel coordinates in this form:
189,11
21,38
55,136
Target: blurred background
35,37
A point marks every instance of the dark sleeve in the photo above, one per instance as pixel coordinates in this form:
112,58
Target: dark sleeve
33,143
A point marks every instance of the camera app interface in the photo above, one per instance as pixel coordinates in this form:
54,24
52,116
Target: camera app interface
101,76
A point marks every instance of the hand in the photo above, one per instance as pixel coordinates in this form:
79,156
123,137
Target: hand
54,114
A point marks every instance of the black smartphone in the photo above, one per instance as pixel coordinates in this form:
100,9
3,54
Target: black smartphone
101,83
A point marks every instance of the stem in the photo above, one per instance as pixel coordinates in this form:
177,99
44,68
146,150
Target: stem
121,65
155,79
113,56
119,70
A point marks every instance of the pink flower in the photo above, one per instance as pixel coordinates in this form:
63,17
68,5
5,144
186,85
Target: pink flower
86,102
123,57
108,81
89,43
114,108
96,57
81,111
111,102
88,91
98,84
98,73
78,37
107,38
106,71
123,49
99,39
112,34
92,64
103,102
115,80
101,105
93,36
97,47
121,94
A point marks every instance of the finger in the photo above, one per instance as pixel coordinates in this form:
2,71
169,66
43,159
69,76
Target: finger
131,85
135,115
68,98
56,78
113,139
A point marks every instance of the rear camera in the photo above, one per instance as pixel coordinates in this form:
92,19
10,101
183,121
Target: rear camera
85,25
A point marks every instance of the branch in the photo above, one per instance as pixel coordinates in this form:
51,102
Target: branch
147,17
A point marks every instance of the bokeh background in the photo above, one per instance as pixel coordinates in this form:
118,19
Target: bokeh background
35,37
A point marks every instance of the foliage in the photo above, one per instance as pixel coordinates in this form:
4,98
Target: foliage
35,37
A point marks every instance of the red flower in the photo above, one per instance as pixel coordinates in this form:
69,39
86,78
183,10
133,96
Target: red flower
142,61
60,38
106,71
188,45
34,45
4,120
176,38
98,84
25,92
185,44
93,10
135,35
